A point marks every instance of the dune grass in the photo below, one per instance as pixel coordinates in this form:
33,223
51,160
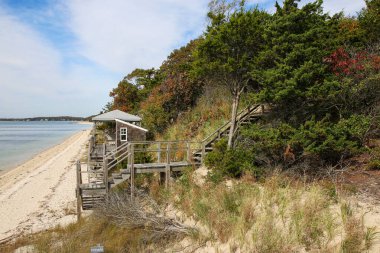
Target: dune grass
277,215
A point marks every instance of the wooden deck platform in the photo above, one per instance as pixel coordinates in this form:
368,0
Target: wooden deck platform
158,167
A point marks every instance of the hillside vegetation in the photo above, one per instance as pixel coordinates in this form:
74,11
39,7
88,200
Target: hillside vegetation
277,186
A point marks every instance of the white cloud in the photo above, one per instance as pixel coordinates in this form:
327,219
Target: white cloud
32,79
121,35
349,7
38,77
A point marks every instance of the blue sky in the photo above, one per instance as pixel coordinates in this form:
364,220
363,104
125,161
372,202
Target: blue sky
62,57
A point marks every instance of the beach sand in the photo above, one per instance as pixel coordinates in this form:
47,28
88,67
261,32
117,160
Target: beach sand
40,193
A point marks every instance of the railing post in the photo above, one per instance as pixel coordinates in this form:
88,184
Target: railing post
105,173
132,170
104,149
203,152
129,154
78,191
167,175
188,152
159,152
167,167
168,153
89,149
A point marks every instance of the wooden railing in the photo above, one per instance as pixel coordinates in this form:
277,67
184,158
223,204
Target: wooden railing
241,116
160,148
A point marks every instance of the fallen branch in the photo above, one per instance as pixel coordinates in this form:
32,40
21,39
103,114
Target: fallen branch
141,212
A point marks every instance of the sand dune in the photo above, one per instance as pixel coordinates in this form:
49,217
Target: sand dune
40,193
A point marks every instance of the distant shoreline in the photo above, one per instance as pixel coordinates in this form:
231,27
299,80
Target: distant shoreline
58,118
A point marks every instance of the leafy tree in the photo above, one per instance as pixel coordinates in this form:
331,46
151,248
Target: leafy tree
125,97
350,32
359,81
133,89
176,92
229,50
145,80
108,107
181,87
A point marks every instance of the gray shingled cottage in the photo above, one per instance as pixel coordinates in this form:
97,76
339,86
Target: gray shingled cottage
121,127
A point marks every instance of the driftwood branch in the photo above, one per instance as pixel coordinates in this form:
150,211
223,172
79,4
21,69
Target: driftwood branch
140,212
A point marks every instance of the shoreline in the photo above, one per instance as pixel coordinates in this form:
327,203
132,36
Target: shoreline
40,192
34,155
14,164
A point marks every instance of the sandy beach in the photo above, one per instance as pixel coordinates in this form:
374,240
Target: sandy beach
40,193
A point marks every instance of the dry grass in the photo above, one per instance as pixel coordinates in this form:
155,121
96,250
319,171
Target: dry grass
143,213
212,111
278,215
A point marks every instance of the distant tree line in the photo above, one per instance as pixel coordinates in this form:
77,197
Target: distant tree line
58,118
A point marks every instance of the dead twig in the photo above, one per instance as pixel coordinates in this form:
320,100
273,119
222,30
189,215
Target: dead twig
140,212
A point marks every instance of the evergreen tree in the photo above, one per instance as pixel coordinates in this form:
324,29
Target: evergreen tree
293,75
369,19
229,50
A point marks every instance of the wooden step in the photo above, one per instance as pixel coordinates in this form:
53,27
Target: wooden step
116,181
126,176
117,175
197,158
89,203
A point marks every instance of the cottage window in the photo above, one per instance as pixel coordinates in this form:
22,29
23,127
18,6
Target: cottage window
123,134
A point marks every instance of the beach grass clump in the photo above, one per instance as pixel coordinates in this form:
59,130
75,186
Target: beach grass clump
276,215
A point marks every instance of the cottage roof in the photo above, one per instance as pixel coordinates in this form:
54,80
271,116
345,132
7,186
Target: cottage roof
132,125
116,114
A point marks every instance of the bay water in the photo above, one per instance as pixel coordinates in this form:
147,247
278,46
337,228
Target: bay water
21,140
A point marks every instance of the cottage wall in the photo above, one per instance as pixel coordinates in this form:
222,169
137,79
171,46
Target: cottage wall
133,133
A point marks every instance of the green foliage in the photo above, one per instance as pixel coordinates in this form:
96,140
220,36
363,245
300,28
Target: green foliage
229,162
369,19
125,97
332,141
292,74
323,139
176,92
230,46
230,49
267,144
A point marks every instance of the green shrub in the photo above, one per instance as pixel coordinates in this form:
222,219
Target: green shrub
332,141
266,143
323,139
229,163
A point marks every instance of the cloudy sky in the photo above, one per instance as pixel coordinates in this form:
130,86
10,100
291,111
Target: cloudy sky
62,57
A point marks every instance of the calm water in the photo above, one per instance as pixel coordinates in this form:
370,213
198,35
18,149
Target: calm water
19,141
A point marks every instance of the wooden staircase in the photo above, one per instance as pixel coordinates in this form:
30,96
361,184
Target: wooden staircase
247,116
168,157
